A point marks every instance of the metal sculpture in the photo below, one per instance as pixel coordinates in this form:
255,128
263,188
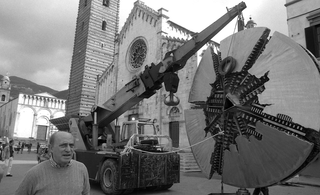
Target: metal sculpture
264,95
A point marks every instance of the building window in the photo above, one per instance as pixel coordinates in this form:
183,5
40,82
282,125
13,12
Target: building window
312,35
174,112
3,98
85,3
104,25
106,3
138,53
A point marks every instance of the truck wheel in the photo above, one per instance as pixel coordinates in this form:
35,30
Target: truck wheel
108,177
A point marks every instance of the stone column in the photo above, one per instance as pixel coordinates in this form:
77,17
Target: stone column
49,133
16,124
33,130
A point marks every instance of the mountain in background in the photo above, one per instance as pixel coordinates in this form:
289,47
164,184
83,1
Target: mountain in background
20,85
61,94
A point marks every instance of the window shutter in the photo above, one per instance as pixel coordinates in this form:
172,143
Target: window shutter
311,40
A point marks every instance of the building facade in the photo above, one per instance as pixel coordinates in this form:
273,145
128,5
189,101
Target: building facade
303,19
145,38
27,116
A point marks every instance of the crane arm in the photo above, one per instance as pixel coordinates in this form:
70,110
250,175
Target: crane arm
151,79
183,53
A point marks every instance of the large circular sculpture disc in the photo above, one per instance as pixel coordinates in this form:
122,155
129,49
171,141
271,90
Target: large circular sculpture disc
265,97
201,152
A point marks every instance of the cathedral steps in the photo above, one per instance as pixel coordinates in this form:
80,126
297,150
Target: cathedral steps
188,163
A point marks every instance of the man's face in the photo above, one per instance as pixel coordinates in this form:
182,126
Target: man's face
62,148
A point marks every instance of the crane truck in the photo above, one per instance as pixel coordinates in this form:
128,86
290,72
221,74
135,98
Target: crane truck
125,160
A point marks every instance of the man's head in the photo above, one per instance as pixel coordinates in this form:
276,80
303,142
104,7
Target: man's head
61,146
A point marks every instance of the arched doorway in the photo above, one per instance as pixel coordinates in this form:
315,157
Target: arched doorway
42,124
25,125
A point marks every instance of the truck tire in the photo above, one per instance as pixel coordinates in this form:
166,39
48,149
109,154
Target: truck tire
109,176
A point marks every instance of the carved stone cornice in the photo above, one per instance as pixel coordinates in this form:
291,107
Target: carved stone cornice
142,11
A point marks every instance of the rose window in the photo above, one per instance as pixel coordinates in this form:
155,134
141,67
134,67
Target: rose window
138,53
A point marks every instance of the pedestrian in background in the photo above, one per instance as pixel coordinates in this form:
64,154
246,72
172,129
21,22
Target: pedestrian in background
58,175
1,169
22,147
38,146
1,173
8,154
18,147
29,147
5,142
1,151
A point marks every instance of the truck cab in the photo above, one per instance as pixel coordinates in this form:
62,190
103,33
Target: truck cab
140,126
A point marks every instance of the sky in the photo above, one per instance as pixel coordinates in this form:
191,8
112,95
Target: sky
37,36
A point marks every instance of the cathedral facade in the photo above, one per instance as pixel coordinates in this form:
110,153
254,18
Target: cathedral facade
145,38
27,116
105,60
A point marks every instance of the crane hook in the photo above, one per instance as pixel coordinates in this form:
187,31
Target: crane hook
171,100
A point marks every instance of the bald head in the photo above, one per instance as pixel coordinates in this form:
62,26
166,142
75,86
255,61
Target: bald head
57,135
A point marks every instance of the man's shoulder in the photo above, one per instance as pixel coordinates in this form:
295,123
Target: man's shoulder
40,166
79,164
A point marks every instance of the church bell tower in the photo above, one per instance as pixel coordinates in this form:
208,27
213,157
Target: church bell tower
5,88
94,49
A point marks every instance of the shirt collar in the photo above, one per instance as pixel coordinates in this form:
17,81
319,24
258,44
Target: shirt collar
56,165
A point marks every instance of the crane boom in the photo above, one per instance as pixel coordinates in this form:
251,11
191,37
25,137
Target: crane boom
151,79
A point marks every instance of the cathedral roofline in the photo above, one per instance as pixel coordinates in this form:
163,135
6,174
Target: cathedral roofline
45,94
140,10
180,28
177,39
185,31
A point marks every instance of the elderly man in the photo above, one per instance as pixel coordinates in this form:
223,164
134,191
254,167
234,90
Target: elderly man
58,175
